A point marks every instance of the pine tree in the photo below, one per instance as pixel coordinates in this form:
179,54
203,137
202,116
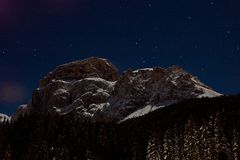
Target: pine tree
220,141
235,144
168,146
176,143
189,145
206,142
153,149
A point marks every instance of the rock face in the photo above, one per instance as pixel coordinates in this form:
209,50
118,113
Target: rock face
141,91
22,110
91,67
92,89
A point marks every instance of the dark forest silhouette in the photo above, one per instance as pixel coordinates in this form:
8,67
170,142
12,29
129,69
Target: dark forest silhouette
193,129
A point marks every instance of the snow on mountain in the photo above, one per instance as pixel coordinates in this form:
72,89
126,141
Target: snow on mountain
207,92
4,118
142,69
141,91
147,109
92,88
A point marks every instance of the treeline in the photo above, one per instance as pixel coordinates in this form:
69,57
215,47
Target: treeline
207,128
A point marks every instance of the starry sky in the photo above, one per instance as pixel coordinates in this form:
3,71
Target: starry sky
203,37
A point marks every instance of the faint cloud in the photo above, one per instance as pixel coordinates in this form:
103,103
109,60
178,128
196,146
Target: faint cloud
11,92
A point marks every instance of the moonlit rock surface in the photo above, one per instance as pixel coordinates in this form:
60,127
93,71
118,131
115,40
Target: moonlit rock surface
91,67
92,89
22,110
4,118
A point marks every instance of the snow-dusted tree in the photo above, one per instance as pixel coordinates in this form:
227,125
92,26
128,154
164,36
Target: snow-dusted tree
168,146
176,144
221,143
191,148
205,142
153,149
235,144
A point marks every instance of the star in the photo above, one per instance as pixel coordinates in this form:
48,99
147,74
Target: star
35,52
228,31
153,57
218,14
137,43
212,3
155,28
202,69
70,45
143,60
181,57
149,5
238,47
155,48
4,52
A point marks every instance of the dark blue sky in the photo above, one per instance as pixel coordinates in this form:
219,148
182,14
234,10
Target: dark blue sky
203,37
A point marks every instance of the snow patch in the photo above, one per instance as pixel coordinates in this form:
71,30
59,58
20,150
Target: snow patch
207,92
112,83
141,112
60,91
143,69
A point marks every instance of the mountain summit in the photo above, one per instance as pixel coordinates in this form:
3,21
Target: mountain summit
91,67
92,89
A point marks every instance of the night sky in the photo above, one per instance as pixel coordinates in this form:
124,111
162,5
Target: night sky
203,37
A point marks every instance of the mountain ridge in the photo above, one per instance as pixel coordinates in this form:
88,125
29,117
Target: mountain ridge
93,88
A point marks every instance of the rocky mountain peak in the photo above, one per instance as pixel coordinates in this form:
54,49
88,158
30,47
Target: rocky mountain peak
91,67
91,88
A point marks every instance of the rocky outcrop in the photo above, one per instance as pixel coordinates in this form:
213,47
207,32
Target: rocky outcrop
155,87
91,67
4,118
92,89
80,87
22,111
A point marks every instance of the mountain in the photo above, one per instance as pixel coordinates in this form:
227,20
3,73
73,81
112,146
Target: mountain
93,89
85,110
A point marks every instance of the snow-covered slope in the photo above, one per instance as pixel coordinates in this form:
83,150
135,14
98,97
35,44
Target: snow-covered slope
91,88
147,109
142,112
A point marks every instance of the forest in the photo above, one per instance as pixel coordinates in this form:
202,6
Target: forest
194,129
